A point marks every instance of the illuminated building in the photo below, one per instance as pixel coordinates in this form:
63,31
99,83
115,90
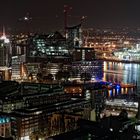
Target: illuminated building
31,94
95,68
40,49
31,68
53,50
8,105
83,54
9,98
50,48
132,54
47,112
47,46
93,91
84,61
53,68
5,56
18,67
5,126
41,119
5,50
19,44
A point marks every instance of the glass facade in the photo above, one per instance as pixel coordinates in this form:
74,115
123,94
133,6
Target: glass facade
48,45
95,68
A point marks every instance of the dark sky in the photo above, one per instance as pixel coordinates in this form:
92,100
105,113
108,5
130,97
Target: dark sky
47,15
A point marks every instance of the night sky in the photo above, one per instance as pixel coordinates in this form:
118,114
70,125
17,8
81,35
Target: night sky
47,15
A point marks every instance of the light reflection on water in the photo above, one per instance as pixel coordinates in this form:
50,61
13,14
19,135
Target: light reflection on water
122,72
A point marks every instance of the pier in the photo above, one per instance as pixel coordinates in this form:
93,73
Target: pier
118,89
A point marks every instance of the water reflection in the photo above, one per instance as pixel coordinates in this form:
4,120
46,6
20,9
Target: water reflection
122,72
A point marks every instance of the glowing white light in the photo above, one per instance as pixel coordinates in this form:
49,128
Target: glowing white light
25,18
3,37
39,112
6,40
25,138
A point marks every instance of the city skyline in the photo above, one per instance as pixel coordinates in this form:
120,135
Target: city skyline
48,15
69,69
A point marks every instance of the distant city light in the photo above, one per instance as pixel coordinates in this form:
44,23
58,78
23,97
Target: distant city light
26,18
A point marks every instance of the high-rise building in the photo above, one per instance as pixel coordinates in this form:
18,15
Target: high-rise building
5,56
18,67
5,50
5,126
